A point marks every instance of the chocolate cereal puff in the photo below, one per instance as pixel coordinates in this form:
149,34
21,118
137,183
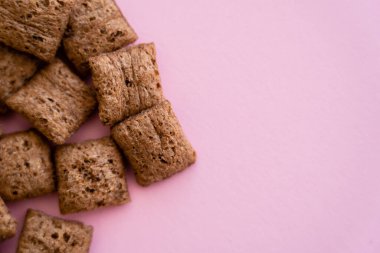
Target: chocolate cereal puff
95,27
44,233
26,169
55,101
126,82
90,175
15,68
35,27
8,224
154,143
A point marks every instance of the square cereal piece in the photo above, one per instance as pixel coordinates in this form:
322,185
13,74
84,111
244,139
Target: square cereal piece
8,224
95,27
26,169
35,27
44,233
126,82
15,68
90,175
154,143
55,101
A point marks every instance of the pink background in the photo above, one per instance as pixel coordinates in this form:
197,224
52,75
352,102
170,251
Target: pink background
281,99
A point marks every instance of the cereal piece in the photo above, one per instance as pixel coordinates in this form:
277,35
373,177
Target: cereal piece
55,101
154,143
90,175
26,169
95,27
35,27
126,82
16,68
45,233
7,223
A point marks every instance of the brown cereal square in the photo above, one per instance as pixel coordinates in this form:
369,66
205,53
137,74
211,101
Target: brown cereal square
45,233
15,68
154,143
95,27
126,82
26,169
90,175
35,27
8,224
55,101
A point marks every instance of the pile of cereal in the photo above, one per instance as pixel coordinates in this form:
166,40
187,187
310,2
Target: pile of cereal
50,93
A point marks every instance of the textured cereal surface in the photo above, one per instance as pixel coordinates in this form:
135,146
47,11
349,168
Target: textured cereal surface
8,224
46,234
34,26
126,82
15,68
90,175
55,101
26,169
95,27
154,143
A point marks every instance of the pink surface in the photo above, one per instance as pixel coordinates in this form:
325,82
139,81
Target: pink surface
281,99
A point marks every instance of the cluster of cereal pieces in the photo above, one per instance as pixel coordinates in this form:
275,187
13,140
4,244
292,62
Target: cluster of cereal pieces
35,83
